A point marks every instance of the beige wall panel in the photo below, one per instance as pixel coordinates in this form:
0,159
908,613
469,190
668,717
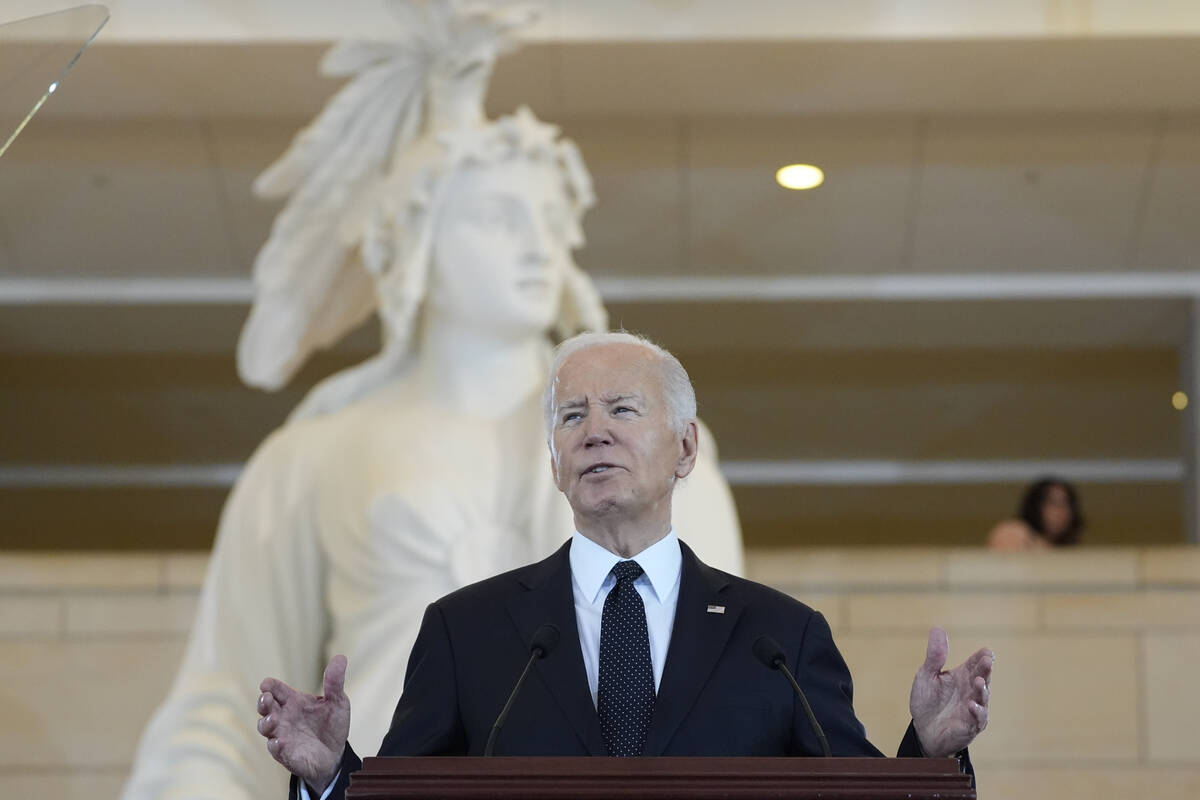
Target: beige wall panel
797,570
153,614
1127,610
954,612
1044,692
637,226
172,408
530,77
137,197
185,571
1172,696
1108,567
1038,339
82,704
741,221
1030,194
242,149
774,401
161,78
111,332
109,519
883,668
1095,782
39,616
1170,238
1173,565
600,70
51,571
7,260
47,785
850,517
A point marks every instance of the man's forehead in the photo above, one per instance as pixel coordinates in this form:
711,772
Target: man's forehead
606,397
608,370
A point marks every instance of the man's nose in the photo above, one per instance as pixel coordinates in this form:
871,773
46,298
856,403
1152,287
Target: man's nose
596,431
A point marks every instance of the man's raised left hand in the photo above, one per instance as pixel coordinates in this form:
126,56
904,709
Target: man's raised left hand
949,709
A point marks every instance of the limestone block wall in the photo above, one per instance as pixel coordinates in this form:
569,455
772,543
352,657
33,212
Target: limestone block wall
1096,692
88,646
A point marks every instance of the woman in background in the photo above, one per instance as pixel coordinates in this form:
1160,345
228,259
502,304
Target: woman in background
1049,516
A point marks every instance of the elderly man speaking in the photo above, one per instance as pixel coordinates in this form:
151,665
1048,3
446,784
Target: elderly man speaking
647,651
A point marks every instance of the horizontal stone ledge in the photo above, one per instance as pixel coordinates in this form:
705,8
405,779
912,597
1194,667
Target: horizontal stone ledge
1050,284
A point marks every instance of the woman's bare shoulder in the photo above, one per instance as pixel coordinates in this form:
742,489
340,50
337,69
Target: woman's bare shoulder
1011,534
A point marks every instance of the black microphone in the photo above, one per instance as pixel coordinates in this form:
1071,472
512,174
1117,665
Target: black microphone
770,653
545,639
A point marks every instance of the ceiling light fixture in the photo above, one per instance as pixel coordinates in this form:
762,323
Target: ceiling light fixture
800,176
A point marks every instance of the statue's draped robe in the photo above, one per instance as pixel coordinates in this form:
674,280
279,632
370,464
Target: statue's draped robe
337,535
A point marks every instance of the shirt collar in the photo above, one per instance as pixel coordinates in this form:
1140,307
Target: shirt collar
591,564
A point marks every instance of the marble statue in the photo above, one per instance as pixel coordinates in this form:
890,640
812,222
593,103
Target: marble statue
426,467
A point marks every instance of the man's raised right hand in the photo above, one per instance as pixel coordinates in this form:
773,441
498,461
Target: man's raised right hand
306,733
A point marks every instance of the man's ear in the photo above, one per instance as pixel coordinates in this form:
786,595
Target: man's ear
688,448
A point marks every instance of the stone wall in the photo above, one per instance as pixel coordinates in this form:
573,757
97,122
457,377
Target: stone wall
1095,694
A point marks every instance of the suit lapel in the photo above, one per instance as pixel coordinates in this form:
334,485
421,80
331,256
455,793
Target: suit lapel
698,639
549,597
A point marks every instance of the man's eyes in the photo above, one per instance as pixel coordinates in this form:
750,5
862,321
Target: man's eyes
573,416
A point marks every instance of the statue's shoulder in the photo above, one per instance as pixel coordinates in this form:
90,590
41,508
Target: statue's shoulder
290,453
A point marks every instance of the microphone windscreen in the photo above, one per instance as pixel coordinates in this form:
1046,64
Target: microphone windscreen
545,639
768,651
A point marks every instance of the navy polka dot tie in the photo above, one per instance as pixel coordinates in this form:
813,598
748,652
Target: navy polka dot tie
625,698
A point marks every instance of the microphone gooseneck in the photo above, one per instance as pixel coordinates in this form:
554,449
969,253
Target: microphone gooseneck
768,651
544,640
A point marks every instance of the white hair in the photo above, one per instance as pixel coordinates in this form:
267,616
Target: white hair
678,392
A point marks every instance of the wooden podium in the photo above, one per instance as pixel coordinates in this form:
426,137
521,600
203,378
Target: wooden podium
507,778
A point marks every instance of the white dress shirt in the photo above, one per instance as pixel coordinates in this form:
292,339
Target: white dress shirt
592,580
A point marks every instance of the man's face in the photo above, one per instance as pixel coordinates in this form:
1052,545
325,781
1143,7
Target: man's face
613,451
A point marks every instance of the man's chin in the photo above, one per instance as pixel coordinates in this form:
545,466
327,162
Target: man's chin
600,507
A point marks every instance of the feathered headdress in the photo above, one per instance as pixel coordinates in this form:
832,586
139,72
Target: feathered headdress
364,180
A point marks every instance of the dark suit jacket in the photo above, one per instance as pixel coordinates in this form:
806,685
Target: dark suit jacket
715,697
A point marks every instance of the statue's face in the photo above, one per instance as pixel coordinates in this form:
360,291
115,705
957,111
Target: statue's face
500,248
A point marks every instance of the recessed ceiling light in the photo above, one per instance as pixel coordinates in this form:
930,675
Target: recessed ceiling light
1179,400
800,176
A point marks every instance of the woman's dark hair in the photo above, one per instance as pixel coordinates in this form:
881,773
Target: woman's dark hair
1031,510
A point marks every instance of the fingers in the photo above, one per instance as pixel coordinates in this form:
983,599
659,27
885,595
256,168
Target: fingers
280,691
278,752
979,713
980,663
334,679
268,726
267,704
981,692
936,651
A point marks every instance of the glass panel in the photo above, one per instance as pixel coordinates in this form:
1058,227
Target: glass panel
35,55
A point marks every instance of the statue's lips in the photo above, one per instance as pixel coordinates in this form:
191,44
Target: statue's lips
533,283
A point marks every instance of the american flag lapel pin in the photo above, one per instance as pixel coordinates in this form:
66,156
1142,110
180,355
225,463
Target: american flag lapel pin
716,609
